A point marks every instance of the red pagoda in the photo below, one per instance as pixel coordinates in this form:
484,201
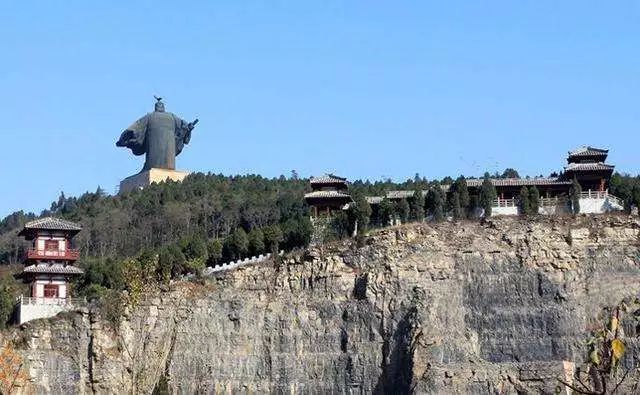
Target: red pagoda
49,266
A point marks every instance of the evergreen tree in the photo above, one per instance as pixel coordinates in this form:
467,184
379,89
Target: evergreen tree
7,300
460,186
636,195
456,209
417,205
534,200
387,211
359,212
195,248
574,196
403,210
430,199
272,238
438,205
524,203
256,242
214,248
487,195
510,173
237,244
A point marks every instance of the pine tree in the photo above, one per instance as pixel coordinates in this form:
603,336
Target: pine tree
417,206
386,211
256,242
214,248
574,196
510,173
456,209
487,195
463,193
272,237
237,244
403,210
523,201
359,212
534,200
438,205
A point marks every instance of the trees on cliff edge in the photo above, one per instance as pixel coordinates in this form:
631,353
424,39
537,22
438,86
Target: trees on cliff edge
574,196
488,194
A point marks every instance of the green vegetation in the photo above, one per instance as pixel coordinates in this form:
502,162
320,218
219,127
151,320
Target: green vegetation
403,210
170,230
524,204
417,206
574,196
534,200
604,370
487,195
626,188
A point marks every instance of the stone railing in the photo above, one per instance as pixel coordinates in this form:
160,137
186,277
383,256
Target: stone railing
30,300
513,202
239,263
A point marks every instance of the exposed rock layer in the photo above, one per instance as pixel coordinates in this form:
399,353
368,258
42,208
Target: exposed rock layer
470,307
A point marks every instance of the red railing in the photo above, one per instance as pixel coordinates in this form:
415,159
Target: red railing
68,254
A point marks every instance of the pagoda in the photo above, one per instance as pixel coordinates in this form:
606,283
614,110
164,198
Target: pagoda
587,165
49,267
329,193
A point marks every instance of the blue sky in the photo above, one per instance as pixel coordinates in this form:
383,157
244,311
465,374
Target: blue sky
366,89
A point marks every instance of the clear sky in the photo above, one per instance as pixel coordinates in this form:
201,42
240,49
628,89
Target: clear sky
366,89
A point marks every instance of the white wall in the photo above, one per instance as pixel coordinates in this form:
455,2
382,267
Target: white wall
28,312
504,211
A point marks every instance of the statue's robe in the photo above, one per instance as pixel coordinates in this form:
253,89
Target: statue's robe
159,135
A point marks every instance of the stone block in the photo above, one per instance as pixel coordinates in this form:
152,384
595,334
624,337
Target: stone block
148,177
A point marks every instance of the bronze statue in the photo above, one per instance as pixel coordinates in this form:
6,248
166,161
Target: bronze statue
160,135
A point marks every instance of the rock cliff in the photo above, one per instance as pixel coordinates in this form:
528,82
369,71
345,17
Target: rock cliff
494,307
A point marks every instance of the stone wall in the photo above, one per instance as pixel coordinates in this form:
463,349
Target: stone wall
500,306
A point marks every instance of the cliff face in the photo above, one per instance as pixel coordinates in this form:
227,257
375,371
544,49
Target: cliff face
473,308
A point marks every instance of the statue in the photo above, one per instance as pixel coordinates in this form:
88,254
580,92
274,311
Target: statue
160,135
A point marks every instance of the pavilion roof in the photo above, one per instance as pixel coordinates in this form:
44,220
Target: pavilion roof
588,166
326,194
51,223
328,179
588,151
516,182
52,268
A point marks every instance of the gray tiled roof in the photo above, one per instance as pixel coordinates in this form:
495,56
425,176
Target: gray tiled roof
54,268
504,182
326,194
588,166
52,223
328,179
402,194
588,151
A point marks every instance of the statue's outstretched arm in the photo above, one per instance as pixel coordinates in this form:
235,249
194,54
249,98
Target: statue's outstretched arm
134,137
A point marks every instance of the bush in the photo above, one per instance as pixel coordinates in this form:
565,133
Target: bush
7,300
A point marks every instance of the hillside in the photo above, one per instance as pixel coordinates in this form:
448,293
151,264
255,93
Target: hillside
470,307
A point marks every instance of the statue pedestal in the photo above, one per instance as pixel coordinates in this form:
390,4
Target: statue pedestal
148,177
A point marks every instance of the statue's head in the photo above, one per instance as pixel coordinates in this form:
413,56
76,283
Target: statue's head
159,107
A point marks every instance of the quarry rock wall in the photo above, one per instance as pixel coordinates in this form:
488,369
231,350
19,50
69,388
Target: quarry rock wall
501,306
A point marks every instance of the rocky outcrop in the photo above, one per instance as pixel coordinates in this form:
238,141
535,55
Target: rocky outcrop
501,306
